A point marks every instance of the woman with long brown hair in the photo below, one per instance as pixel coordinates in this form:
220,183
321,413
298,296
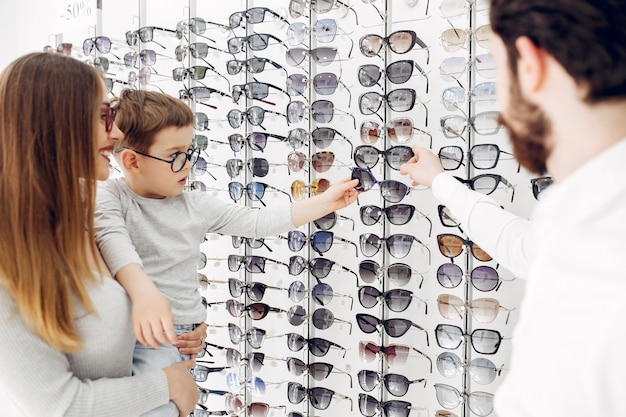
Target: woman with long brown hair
66,337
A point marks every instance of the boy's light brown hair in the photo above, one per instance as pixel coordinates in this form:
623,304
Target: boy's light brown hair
141,115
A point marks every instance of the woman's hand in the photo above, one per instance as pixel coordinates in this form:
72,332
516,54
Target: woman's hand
192,343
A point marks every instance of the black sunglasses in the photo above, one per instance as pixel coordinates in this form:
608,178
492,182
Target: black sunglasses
317,346
397,327
396,384
390,190
317,370
398,72
370,406
321,241
487,183
400,42
397,300
254,90
399,100
254,190
253,65
328,221
251,263
319,267
319,397
484,341
256,42
399,244
367,156
397,214
540,184
254,290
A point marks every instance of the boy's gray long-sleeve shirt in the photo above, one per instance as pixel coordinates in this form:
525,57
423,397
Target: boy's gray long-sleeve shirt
164,236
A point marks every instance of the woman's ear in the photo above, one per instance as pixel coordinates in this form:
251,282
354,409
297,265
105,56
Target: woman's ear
531,66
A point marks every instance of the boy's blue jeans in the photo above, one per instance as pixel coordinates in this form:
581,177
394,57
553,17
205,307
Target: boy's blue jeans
146,358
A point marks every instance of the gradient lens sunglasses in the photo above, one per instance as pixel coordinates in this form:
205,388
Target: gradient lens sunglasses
399,130
485,123
540,184
400,42
317,370
453,98
254,90
367,156
256,311
256,42
258,167
253,335
234,404
321,293
322,318
397,300
390,190
328,221
451,69
322,111
320,161
197,26
200,373
323,55
399,100
145,34
396,273
455,39
484,310
257,141
100,43
396,384
252,15
252,243
484,341
370,406
397,214
254,190
483,156
398,72
317,346
319,397
446,218
254,290
255,116
321,241
487,183
484,278
324,84
299,188
451,246
394,354
399,244
397,327
481,370
298,7
252,263
319,267
480,403
253,360
254,65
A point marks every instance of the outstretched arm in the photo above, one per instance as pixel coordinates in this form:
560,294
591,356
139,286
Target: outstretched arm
336,197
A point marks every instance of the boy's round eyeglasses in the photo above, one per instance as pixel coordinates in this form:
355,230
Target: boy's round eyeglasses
178,161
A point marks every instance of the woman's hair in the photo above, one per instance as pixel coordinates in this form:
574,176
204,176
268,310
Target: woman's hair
49,116
141,115
588,38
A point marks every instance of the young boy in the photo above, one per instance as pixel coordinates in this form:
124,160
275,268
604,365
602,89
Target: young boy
149,231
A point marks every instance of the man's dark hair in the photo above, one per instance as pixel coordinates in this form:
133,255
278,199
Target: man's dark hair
587,37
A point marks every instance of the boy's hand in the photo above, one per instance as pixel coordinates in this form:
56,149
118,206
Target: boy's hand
153,321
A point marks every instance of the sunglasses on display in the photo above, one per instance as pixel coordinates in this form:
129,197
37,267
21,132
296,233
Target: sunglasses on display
257,141
398,72
255,116
203,411
317,370
540,184
253,15
480,403
328,221
298,7
299,188
107,115
254,65
483,156
452,68
446,218
197,26
318,267
398,245
200,93
64,48
256,311
321,293
455,8
319,397
322,111
200,373
323,55
196,72
397,327
317,346
484,341
234,404
254,385
397,273
485,123
109,82
484,310
258,167
397,300
400,42
451,246
322,318
484,278
455,39
481,370
254,336
323,30
201,167
145,35
254,91
487,183
324,84
370,406
397,214
394,354
100,43
320,161
199,50
397,130
254,290
253,361
367,156
252,263
453,98
256,42
321,241
391,191
399,100
395,384
322,137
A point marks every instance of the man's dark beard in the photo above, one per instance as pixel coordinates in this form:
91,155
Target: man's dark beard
528,128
